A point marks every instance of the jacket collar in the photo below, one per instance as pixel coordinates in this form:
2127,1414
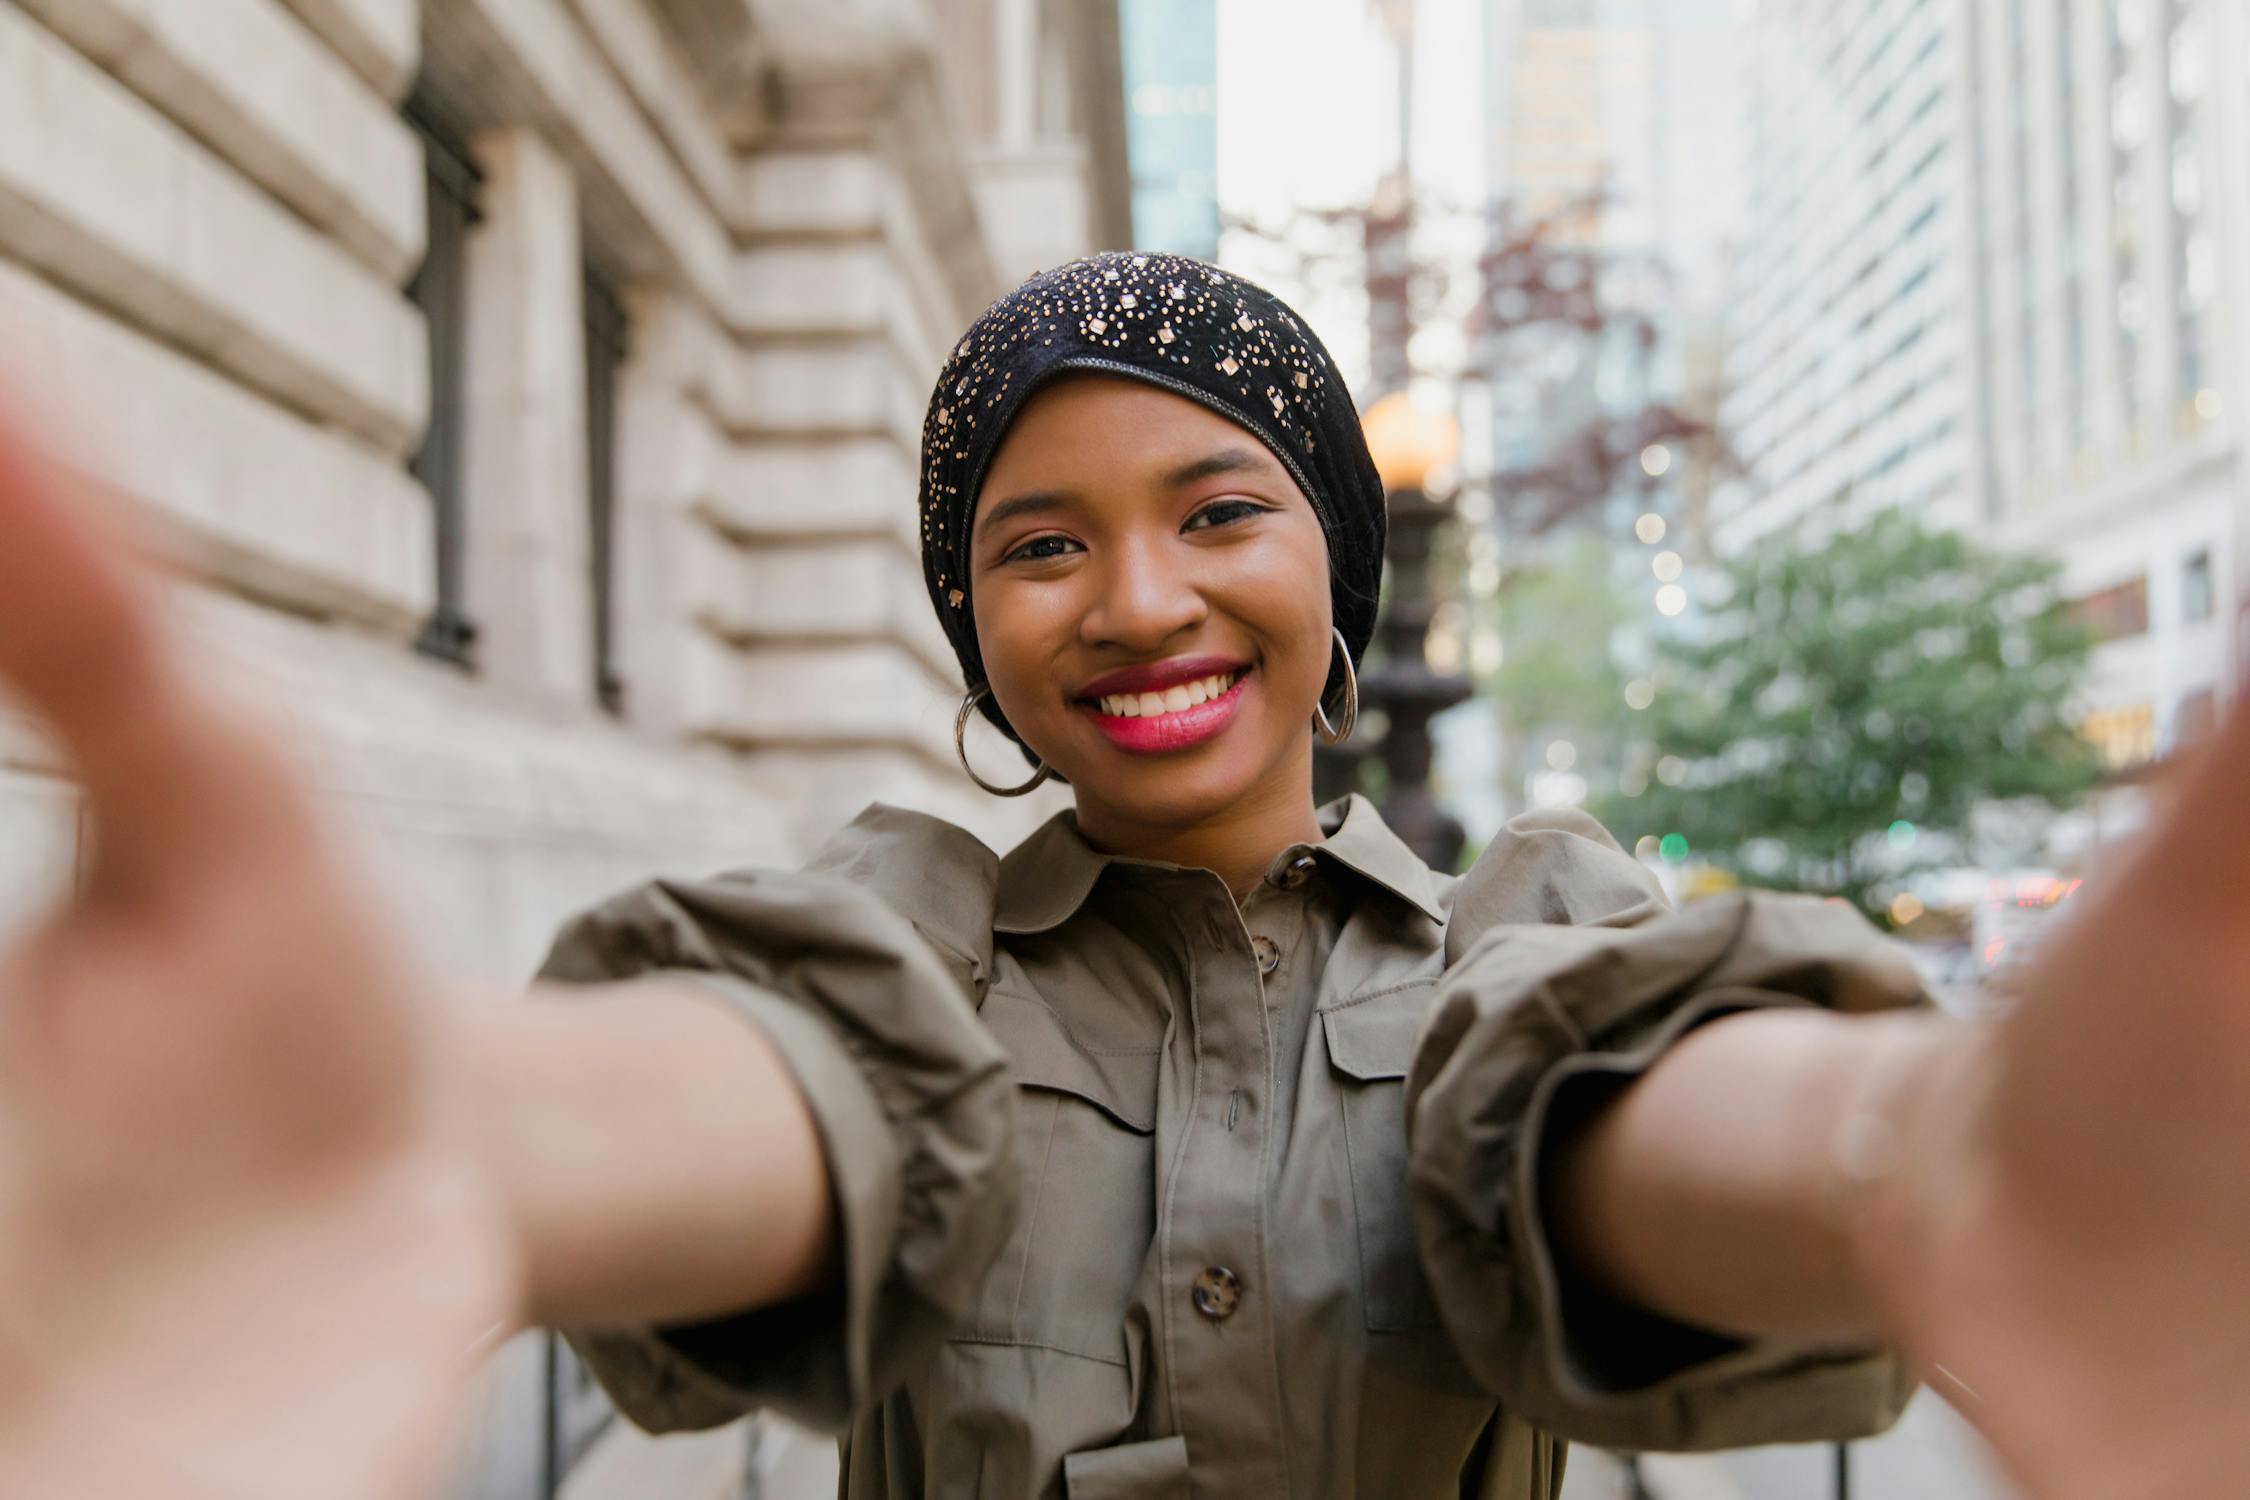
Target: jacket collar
1047,877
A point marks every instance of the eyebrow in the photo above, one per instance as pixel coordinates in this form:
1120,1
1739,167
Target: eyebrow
1225,461
1046,502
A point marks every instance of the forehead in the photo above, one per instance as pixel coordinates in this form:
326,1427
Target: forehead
1083,431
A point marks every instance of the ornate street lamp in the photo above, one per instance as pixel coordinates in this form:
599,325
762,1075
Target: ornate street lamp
1409,444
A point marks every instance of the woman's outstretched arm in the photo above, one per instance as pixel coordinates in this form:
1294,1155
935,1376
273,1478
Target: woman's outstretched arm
1718,1189
2049,1213
655,1158
241,1135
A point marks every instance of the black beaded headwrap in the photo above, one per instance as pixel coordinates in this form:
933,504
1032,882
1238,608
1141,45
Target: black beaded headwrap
1191,329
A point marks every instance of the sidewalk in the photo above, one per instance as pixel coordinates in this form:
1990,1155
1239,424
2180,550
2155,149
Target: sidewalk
1930,1455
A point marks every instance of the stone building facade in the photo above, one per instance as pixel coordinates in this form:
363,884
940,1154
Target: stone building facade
527,393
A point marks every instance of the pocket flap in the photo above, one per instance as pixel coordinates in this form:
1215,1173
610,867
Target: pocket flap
1154,1470
1122,1084
1374,1038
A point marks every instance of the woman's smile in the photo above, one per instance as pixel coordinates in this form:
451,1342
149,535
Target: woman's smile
1167,705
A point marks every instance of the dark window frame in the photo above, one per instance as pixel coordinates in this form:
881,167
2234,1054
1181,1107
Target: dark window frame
455,191
607,330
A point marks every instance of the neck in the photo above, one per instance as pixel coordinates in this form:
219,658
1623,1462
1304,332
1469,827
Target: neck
1237,844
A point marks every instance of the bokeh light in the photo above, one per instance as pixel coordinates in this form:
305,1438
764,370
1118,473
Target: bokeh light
1649,528
1666,566
1673,847
1671,599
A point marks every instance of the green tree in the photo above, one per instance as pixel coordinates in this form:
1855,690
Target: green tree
1844,708
1556,679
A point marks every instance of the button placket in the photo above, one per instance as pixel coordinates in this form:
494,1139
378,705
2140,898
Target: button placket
1211,1231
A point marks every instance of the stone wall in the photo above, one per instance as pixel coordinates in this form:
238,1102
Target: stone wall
210,214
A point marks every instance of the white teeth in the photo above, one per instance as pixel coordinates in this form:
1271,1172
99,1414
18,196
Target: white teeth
1170,701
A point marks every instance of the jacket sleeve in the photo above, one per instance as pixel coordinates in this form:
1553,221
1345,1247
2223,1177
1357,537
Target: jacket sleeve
865,971
1567,977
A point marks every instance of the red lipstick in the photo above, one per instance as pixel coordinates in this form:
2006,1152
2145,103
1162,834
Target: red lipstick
1179,729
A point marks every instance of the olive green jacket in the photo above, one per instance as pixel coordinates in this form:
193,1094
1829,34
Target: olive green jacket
1146,1195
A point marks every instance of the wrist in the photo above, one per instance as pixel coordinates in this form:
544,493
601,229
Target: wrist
1902,1121
478,1043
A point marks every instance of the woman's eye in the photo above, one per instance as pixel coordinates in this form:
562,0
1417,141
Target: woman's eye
1222,513
1040,548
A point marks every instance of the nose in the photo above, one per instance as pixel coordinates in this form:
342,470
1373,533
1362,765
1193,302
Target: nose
1147,598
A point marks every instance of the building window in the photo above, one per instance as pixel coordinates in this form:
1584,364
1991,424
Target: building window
2118,611
2125,737
2196,596
605,356
454,190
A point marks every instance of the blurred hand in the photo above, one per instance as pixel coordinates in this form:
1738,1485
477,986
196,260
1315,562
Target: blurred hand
2070,1238
245,1247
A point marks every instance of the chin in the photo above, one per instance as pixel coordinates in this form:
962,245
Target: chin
1168,791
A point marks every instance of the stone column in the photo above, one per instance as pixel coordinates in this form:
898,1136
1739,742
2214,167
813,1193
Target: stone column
528,581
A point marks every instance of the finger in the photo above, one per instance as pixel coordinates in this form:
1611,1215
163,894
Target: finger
169,777
78,640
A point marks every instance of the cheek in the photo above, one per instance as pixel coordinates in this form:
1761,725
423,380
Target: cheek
1020,631
1282,595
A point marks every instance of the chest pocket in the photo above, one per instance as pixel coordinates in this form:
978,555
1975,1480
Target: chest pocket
1086,1119
1370,1042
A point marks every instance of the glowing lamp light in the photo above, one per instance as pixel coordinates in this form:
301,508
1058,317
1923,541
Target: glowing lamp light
1409,443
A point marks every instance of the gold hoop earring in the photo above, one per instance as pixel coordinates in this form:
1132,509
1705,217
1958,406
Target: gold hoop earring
969,704
1333,732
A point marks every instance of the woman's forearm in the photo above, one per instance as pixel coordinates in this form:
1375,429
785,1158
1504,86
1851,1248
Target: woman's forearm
653,1153
1711,1189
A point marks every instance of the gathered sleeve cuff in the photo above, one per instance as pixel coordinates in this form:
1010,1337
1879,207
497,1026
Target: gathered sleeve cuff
1535,1024
873,1010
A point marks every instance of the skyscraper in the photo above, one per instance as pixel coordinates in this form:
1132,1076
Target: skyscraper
2116,172
1171,52
1851,361
1996,268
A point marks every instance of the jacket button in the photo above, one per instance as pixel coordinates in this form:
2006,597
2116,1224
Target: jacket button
1295,873
1268,952
1218,1292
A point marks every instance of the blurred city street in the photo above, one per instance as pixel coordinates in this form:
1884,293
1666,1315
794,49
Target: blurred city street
1814,441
